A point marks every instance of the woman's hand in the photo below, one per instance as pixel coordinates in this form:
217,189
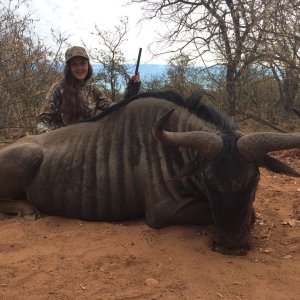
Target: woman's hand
136,78
133,86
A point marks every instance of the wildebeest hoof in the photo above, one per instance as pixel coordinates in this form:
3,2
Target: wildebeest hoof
32,217
230,251
28,211
20,208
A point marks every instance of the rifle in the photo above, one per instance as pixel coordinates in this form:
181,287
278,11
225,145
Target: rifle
138,62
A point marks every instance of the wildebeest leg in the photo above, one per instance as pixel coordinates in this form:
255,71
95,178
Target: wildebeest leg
22,208
18,164
189,211
198,213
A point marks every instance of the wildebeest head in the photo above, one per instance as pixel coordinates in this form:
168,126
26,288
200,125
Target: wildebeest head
228,168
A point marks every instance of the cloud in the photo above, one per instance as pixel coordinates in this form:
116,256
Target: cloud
77,19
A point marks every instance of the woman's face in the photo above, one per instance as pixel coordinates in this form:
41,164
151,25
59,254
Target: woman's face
79,67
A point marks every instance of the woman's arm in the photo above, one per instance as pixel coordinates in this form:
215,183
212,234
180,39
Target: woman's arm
50,116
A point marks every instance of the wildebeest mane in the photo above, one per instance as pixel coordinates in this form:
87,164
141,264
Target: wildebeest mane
166,95
194,104
209,114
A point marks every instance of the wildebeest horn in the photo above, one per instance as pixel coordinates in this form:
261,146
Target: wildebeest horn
253,146
296,111
206,143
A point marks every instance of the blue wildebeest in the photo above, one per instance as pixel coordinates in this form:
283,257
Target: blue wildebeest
154,156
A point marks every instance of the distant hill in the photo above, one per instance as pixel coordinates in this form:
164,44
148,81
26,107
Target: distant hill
151,70
146,70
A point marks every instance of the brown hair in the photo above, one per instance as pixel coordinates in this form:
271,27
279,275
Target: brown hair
72,105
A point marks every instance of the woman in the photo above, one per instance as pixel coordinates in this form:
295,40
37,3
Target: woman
74,98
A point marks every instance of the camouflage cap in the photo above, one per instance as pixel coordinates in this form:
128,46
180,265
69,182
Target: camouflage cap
75,51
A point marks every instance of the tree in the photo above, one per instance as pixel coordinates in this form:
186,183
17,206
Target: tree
113,72
230,30
27,68
178,67
154,83
282,50
182,75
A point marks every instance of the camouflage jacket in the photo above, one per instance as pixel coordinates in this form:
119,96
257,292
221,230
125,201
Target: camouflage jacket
51,116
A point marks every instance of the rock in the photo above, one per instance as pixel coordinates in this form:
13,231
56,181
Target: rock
151,282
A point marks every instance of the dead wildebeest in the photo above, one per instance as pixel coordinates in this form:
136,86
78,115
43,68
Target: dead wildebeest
154,156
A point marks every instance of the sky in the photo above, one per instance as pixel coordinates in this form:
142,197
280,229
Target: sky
77,19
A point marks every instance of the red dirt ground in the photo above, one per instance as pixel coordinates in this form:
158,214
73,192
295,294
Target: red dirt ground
57,258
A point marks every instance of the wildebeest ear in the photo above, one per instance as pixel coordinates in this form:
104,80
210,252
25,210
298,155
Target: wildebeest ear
296,111
188,170
277,166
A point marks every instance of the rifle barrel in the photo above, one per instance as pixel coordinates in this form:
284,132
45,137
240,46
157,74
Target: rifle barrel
138,62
